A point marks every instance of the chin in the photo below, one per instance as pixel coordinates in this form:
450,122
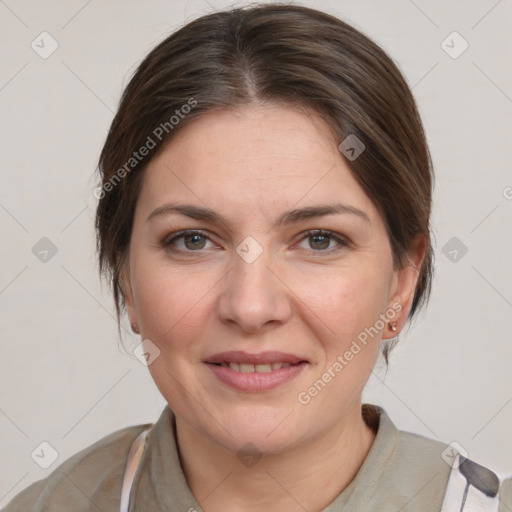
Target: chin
266,429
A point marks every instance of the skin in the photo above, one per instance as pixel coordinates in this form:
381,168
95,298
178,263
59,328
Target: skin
302,296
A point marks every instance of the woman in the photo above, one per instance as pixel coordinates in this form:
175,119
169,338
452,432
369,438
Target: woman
264,220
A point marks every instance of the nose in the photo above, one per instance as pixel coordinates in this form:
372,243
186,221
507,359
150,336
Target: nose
254,296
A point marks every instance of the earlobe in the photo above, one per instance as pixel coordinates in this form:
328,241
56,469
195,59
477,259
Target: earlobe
401,301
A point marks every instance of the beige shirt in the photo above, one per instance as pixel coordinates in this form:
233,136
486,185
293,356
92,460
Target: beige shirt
402,472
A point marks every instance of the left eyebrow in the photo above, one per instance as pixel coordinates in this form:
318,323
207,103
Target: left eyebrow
288,217
309,212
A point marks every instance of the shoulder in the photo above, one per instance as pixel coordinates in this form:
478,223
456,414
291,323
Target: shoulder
442,467
440,457
89,480
411,457
420,472
429,474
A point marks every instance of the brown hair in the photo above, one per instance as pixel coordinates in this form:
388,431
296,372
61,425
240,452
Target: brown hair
282,54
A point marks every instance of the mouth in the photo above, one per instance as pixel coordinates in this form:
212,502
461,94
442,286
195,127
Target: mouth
254,368
255,372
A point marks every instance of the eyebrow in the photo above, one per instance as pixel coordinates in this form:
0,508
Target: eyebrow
288,217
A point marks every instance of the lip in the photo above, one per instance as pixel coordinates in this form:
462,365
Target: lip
254,381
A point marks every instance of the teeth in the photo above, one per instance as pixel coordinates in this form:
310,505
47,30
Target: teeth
258,368
263,368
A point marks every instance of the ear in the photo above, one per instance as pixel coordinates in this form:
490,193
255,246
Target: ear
404,285
126,287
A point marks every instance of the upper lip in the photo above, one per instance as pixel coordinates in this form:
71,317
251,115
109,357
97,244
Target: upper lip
241,357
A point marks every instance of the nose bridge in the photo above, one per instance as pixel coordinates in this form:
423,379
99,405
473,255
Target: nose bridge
253,295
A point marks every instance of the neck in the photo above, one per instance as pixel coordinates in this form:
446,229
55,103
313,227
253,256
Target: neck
288,481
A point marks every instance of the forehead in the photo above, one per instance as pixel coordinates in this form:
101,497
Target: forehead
263,157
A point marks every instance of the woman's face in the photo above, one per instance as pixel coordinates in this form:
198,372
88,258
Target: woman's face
260,325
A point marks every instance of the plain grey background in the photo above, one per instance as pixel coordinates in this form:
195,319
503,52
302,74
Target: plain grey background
65,378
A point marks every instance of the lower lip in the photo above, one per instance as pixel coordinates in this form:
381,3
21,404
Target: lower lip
255,381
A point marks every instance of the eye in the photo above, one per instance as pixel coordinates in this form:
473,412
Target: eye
188,241
320,241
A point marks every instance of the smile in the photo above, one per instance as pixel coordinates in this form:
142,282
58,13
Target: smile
255,372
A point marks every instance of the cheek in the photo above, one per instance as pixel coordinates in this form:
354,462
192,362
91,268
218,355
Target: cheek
346,301
171,302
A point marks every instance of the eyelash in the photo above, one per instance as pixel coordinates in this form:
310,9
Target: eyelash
309,233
